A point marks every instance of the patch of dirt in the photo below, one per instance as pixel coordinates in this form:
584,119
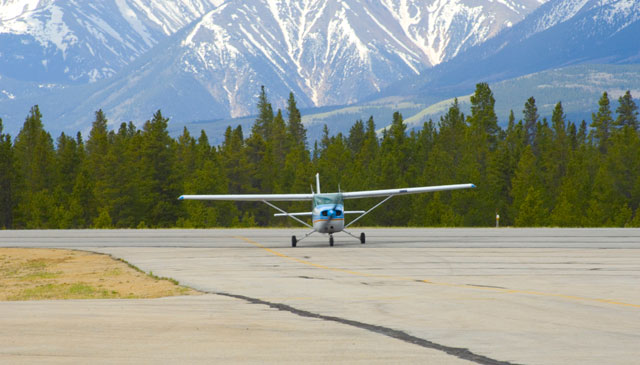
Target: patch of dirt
38,274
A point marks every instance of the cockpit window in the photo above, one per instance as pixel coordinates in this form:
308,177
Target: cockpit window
335,198
324,213
338,212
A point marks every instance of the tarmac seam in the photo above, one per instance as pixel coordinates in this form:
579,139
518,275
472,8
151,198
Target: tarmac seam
459,352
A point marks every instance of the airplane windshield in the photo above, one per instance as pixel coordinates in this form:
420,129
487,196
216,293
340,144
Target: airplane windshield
320,199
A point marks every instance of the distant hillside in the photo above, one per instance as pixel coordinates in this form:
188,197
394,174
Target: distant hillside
577,87
559,33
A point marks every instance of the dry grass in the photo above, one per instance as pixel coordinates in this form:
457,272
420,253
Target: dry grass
37,274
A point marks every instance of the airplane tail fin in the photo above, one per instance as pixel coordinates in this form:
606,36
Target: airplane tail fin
318,182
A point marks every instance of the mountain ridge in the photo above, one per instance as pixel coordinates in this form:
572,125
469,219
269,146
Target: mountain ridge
327,52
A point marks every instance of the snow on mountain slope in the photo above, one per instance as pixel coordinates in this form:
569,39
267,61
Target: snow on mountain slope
328,52
70,40
557,34
332,51
12,8
77,41
443,28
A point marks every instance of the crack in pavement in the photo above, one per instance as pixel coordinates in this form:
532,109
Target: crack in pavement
459,352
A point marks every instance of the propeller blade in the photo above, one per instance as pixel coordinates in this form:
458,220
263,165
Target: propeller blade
332,213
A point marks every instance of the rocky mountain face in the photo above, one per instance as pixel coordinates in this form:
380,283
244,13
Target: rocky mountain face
330,52
559,33
71,41
205,59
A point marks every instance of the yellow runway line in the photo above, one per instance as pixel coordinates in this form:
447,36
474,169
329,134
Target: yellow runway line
466,286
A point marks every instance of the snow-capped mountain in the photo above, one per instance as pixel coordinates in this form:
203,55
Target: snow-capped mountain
150,55
557,34
84,41
330,51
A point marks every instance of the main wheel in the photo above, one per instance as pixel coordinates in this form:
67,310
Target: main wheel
294,241
330,240
362,238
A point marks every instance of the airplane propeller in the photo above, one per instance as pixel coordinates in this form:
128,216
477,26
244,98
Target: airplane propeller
331,213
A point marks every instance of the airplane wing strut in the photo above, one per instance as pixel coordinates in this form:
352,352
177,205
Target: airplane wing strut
367,212
287,214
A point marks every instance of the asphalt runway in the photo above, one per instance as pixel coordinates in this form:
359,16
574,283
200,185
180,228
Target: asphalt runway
491,296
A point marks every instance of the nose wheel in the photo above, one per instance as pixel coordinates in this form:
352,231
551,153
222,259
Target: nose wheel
362,238
330,240
294,241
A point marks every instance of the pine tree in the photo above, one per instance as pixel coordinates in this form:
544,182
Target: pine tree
557,158
262,125
325,141
526,190
483,120
356,137
582,133
157,158
439,214
207,179
7,180
499,173
501,170
365,165
34,157
97,148
235,160
604,202
69,158
532,213
601,124
635,222
34,153
333,162
480,144
547,164
279,141
186,155
296,131
260,162
82,205
627,112
623,165
127,181
103,220
572,134
448,150
531,116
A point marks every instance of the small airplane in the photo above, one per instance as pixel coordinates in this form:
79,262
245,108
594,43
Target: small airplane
328,208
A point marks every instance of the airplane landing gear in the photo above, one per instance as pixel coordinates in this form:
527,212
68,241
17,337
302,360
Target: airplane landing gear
362,238
330,240
294,241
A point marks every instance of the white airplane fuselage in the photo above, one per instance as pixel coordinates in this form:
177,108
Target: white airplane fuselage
328,218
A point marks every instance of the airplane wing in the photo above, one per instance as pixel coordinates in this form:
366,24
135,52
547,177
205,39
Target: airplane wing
311,213
403,191
292,214
250,197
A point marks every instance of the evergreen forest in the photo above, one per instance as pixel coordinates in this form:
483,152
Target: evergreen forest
536,172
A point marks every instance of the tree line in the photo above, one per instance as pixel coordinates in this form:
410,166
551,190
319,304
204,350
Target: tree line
533,173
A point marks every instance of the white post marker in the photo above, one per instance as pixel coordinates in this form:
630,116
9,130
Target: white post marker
497,220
